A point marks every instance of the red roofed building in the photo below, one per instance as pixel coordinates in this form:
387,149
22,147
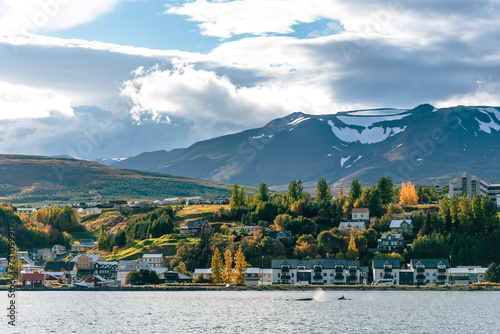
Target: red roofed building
33,280
361,214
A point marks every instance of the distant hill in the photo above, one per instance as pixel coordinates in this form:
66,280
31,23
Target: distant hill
424,144
34,179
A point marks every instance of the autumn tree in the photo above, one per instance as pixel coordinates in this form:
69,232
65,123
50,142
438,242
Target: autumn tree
352,252
216,274
227,273
408,194
341,193
240,265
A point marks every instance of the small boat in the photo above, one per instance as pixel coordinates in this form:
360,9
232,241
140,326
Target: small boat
304,299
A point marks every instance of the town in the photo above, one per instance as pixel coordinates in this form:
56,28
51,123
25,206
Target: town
380,235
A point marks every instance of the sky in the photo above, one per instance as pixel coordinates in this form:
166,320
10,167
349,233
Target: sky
115,78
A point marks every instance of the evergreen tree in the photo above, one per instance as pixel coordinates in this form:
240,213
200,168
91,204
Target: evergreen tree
227,273
492,274
354,191
216,274
263,194
341,194
323,192
477,216
444,213
236,200
385,188
454,212
465,215
240,265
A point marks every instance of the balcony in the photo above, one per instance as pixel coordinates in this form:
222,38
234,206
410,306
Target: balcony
420,270
318,276
317,269
420,277
285,276
441,277
285,270
442,271
388,270
388,276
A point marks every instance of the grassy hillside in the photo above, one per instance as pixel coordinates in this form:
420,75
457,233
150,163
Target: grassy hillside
33,179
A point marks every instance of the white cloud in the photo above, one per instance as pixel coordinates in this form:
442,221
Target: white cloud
38,16
17,101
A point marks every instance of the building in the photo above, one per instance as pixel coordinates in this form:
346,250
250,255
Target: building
349,226
466,274
172,276
96,280
470,185
249,229
280,235
69,268
430,271
386,269
317,271
87,261
361,214
203,272
108,270
195,227
33,280
124,267
193,200
83,246
42,255
259,276
401,226
92,211
170,201
59,250
390,242
154,260
28,211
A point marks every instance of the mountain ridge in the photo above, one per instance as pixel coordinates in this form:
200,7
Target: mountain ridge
424,144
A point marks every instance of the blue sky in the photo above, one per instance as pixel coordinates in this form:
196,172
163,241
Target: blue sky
165,74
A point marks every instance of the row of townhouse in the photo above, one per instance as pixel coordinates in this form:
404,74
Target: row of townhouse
253,276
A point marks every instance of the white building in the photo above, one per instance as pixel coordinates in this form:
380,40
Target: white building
124,267
466,274
361,214
154,260
28,211
401,226
249,229
254,276
348,226
430,271
318,271
386,269
466,184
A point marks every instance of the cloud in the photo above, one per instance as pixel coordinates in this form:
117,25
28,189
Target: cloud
39,16
19,101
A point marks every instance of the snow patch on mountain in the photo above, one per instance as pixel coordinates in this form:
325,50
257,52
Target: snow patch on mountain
490,110
343,161
298,120
366,136
368,121
359,157
488,126
377,112
262,136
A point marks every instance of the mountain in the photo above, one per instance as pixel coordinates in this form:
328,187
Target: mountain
424,144
33,179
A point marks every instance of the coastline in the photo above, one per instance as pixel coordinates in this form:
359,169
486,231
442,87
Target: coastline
207,287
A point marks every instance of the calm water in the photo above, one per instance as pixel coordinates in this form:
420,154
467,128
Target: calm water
254,312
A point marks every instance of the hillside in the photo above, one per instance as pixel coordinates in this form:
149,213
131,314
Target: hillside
424,145
34,179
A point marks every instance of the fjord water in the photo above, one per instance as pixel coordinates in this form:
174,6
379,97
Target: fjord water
255,312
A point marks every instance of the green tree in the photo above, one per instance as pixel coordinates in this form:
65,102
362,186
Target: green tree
355,191
236,199
385,188
492,274
216,274
120,238
323,192
455,212
465,215
263,193
15,264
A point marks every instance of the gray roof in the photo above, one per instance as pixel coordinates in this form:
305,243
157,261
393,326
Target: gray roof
356,225
397,222
429,263
59,266
379,263
152,255
393,236
132,265
104,263
93,257
192,223
309,264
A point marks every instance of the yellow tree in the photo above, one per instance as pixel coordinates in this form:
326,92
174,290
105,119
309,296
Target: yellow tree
408,194
216,274
352,252
240,265
227,273
341,193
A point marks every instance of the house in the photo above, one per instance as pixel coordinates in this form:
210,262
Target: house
59,250
259,276
108,270
33,280
391,242
196,227
219,201
53,277
124,267
170,201
113,203
401,226
386,269
87,261
122,207
348,226
466,274
172,276
84,246
203,272
92,211
430,271
28,211
318,271
361,214
249,229
154,260
96,280
3,269
69,268
193,200
280,235
42,255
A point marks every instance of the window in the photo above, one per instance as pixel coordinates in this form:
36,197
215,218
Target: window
292,274
324,274
278,274
433,274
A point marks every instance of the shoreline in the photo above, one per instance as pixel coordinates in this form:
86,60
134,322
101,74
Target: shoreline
202,287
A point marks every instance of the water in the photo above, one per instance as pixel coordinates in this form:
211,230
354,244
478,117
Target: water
254,312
